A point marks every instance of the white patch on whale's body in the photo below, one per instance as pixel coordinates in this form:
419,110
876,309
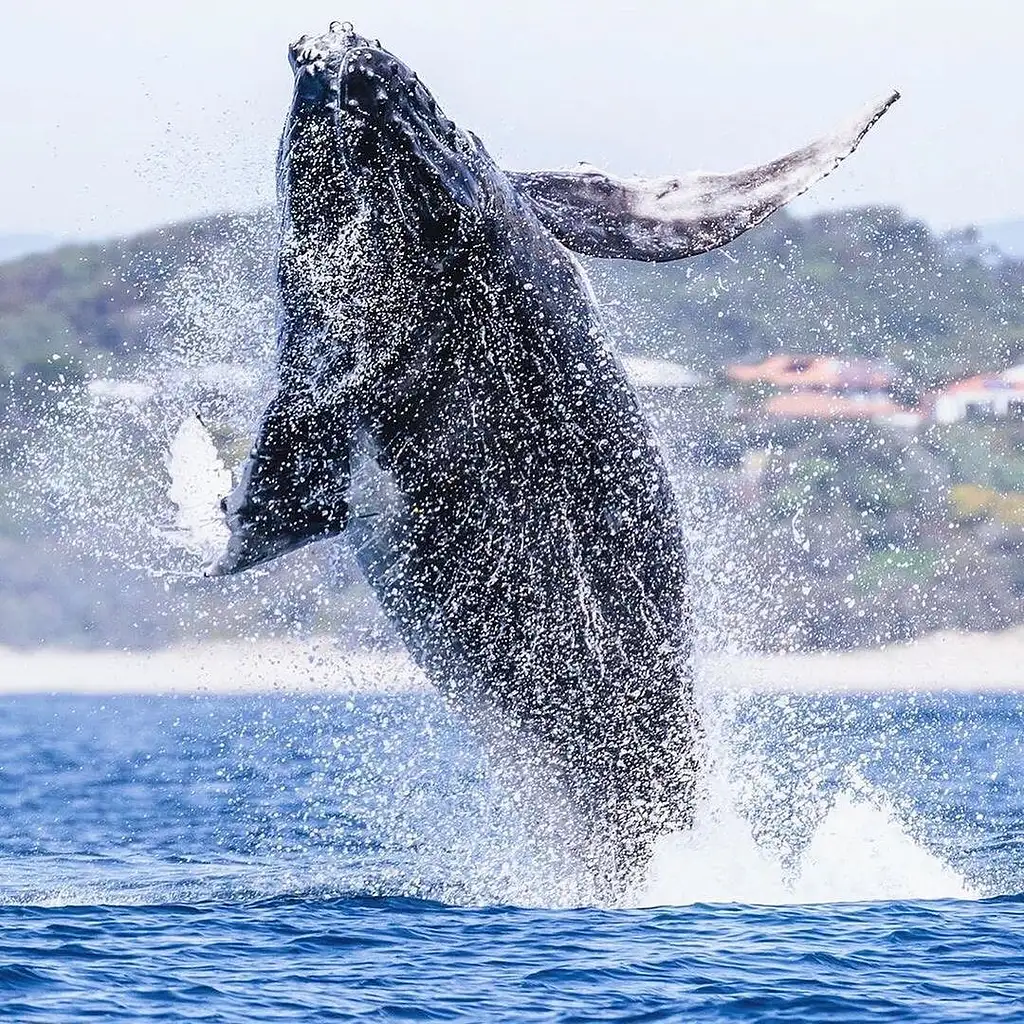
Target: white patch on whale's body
372,491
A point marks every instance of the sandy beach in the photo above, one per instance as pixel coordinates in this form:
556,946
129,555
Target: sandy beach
939,661
222,667
942,661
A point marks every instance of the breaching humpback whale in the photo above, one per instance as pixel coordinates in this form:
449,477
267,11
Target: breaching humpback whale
518,527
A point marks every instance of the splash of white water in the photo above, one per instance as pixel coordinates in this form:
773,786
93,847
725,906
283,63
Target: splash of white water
744,847
860,852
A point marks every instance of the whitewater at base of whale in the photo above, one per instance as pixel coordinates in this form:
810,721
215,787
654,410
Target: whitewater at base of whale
859,852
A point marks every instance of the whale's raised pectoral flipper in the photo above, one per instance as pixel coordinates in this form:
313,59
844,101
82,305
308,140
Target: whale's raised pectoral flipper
291,490
661,219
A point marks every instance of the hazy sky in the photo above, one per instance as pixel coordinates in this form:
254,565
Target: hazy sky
119,115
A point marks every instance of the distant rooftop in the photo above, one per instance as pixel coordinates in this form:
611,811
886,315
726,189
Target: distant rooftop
790,370
819,406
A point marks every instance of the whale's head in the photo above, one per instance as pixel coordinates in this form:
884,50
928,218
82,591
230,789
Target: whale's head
364,132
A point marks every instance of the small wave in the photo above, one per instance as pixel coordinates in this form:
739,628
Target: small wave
16,977
859,853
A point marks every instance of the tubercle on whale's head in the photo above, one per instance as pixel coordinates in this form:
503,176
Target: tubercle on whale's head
385,126
316,61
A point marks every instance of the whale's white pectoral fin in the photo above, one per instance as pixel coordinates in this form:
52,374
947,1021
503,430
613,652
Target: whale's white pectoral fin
197,477
660,219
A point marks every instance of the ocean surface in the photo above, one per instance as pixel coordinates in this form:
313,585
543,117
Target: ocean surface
271,858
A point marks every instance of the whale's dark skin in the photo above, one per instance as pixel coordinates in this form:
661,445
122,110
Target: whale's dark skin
525,542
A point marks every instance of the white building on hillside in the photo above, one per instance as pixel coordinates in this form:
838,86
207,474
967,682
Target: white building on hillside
988,396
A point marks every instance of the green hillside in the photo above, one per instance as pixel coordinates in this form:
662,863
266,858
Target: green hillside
860,282
91,302
867,282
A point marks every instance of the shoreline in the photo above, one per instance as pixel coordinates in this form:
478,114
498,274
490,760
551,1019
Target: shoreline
214,668
947,661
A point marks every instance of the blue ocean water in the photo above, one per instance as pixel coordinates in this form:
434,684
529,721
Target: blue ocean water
303,858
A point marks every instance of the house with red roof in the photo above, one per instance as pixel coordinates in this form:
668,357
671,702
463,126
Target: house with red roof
985,396
821,387
812,373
